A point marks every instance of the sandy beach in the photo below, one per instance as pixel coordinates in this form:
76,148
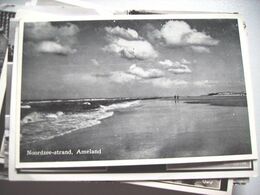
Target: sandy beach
156,129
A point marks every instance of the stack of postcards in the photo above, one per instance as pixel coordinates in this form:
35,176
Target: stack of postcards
161,100
3,82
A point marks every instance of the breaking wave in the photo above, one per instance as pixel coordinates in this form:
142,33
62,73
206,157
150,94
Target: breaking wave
121,105
38,126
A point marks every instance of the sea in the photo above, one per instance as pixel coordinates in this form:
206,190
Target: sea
140,128
43,120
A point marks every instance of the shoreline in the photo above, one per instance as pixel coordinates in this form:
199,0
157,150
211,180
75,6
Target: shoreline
178,149
122,137
84,105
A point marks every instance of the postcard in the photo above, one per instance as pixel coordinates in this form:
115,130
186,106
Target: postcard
76,174
132,90
3,71
3,82
2,129
210,170
213,184
195,167
202,186
232,165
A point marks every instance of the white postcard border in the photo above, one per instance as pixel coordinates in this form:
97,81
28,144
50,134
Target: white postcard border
16,89
184,188
3,80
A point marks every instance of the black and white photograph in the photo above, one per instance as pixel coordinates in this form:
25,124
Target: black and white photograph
214,184
7,32
194,186
3,45
133,90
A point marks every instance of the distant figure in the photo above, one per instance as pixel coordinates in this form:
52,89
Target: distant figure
175,98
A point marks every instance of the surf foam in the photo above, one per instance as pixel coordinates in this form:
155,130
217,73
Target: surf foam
38,126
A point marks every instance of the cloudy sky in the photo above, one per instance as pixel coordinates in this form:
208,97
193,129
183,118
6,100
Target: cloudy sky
127,58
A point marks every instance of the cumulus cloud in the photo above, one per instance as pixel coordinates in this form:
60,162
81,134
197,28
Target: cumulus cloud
35,32
153,77
176,67
134,73
53,47
176,33
168,83
145,74
128,44
152,33
184,69
166,62
134,49
200,49
205,83
128,33
180,33
48,38
46,31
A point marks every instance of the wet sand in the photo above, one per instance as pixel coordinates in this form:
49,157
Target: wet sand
160,129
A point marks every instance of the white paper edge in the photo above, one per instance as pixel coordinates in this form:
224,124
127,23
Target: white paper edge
184,188
3,80
150,161
79,177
